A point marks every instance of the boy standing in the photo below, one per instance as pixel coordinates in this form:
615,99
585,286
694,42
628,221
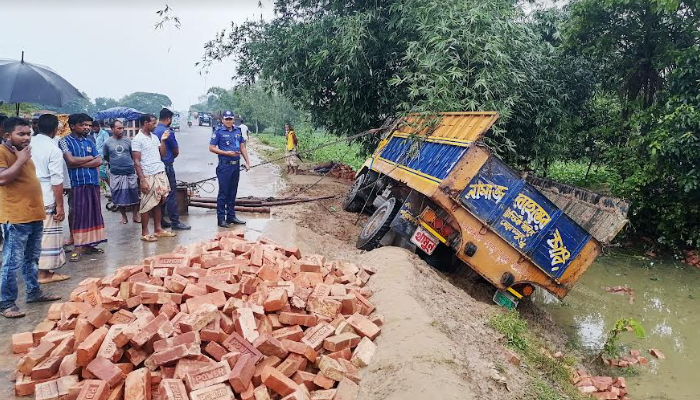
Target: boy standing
22,215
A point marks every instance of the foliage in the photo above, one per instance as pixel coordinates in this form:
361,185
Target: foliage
259,106
103,103
83,105
513,327
577,173
11,109
349,153
146,102
611,348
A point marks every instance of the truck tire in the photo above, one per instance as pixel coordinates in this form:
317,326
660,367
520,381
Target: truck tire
378,225
353,202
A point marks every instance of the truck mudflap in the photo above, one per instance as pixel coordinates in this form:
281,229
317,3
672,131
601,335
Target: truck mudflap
524,217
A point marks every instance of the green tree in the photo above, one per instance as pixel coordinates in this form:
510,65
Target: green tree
103,103
146,102
84,105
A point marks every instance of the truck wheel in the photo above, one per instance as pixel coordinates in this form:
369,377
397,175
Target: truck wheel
378,225
353,202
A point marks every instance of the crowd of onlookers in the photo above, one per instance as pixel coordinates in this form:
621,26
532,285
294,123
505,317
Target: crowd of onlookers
45,179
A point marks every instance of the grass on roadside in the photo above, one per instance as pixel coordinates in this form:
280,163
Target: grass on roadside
550,376
342,151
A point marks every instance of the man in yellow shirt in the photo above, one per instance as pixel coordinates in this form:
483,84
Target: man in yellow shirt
292,141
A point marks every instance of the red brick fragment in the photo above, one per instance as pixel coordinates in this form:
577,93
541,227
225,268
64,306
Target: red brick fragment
46,391
276,381
138,385
219,391
105,370
35,357
363,326
172,389
346,390
94,390
208,376
22,342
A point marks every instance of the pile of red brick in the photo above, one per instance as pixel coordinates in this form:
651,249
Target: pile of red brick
204,322
343,171
635,357
601,387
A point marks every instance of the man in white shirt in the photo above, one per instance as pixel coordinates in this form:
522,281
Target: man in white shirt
48,160
147,151
238,122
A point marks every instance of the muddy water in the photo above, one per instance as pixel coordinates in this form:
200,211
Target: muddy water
666,302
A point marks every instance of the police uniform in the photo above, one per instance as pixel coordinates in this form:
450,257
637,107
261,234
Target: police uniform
228,171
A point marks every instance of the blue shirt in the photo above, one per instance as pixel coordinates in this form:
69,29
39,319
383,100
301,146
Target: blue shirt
170,143
82,147
228,141
100,139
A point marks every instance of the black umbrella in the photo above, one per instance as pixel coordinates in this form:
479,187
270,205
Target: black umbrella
22,82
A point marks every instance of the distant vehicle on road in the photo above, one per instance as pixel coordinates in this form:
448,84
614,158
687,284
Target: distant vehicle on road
176,122
204,119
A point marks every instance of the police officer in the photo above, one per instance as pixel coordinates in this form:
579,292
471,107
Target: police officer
229,144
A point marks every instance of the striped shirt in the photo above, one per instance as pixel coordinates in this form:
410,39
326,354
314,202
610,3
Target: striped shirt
149,147
80,147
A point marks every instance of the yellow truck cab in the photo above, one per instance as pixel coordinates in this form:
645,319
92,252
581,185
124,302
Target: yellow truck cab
434,188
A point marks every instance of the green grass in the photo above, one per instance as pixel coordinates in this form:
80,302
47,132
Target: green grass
550,377
574,173
342,151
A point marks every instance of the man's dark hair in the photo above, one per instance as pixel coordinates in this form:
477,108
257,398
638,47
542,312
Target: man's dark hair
112,124
75,119
48,124
3,117
165,114
146,118
10,123
96,123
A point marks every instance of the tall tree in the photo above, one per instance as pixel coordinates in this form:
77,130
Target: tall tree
146,102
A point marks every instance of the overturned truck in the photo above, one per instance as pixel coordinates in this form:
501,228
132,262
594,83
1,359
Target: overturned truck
434,188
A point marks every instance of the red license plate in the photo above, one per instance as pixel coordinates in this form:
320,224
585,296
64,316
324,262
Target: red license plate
424,240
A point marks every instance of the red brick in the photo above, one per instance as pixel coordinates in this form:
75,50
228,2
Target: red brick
98,316
83,329
117,393
364,352
242,373
657,353
323,381
122,317
46,391
215,350
216,298
24,385
65,383
92,296
305,378
67,346
148,297
185,338
175,283
69,365
132,329
602,382
363,326
300,348
212,331
276,300
22,342
276,381
302,393
35,357
246,325
105,370
138,385
270,346
315,336
368,307
94,390
169,309
351,371
172,354
340,342
294,333
185,366
208,376
54,313
108,349
171,261
289,318
47,368
323,394
136,356
331,368
42,329
149,331
345,354
293,363
172,389
346,390
199,319
219,391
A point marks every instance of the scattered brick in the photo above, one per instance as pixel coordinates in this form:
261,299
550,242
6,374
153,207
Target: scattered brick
105,370
22,342
94,390
364,352
276,381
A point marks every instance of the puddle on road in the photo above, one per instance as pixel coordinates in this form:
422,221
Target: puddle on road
666,301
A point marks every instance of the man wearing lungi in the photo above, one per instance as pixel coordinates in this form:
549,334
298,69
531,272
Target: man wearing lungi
21,215
85,212
228,143
48,160
123,182
147,151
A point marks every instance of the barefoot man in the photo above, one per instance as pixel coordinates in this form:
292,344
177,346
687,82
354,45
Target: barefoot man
147,151
123,182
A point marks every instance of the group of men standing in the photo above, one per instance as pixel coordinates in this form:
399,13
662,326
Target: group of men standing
32,193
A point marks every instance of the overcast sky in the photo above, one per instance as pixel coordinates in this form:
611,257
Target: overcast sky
109,48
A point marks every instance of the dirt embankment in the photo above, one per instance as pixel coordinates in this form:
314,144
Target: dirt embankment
436,342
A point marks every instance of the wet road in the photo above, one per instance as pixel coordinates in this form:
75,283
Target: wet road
124,246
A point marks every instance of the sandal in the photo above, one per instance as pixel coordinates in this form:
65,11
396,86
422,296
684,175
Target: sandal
74,257
94,250
149,238
68,243
44,298
54,278
166,234
12,312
